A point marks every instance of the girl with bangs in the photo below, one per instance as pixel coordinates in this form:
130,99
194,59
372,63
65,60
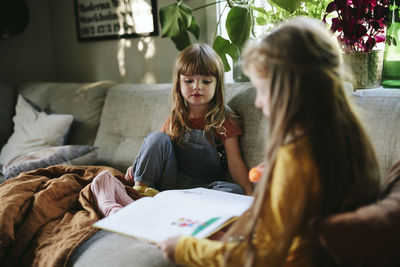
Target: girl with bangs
198,144
319,160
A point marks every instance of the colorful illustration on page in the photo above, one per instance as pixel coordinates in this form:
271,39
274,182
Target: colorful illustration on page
204,225
184,222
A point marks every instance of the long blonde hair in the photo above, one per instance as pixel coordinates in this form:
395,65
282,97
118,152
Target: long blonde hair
199,59
303,65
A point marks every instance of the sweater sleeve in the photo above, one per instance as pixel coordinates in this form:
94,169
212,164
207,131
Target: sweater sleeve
282,225
191,251
231,130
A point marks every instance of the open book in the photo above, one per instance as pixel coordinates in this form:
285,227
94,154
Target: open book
197,212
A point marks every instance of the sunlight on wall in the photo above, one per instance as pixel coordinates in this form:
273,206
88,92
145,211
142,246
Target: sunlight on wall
135,16
121,57
142,16
138,18
125,18
149,78
146,46
151,48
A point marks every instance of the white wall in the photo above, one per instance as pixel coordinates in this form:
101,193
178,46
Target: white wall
49,50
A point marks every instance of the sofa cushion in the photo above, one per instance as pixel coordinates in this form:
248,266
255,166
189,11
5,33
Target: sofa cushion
131,112
369,236
240,97
379,111
106,249
82,100
67,155
34,130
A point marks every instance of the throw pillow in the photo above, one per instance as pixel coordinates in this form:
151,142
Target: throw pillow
34,130
69,155
370,235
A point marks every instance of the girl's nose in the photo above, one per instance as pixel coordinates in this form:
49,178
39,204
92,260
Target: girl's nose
196,85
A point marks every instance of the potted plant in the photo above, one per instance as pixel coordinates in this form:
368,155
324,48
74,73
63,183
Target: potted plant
360,25
177,22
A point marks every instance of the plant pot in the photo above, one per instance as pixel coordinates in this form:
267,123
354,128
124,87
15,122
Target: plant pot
366,68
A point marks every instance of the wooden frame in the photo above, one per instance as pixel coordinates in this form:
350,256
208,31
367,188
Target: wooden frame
115,19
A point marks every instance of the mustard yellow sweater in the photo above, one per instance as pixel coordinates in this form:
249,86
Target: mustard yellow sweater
281,238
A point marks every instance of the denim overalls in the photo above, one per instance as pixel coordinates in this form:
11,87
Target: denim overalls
164,165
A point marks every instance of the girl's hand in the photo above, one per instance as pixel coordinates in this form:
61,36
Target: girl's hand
129,177
261,167
256,173
168,247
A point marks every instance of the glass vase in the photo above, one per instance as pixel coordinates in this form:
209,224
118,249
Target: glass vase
391,62
365,68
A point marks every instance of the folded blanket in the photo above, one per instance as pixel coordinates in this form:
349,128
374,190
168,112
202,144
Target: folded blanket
46,213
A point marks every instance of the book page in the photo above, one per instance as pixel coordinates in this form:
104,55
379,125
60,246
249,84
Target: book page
223,201
195,212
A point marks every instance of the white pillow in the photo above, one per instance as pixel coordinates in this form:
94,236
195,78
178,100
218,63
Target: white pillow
34,130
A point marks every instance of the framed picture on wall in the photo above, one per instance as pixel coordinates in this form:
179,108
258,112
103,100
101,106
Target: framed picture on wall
115,19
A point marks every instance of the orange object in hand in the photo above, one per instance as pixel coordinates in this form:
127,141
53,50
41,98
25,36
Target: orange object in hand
255,175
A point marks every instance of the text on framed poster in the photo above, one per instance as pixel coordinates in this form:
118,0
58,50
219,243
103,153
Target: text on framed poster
114,19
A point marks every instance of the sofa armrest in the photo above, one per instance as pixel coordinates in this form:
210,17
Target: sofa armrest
370,235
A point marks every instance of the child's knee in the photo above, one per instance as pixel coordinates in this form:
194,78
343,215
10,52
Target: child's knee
226,187
157,137
157,141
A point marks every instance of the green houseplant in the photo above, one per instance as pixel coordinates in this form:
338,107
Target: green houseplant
178,22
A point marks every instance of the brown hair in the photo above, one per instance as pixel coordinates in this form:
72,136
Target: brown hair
302,63
199,59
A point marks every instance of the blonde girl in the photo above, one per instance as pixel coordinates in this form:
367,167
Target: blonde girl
198,144
319,160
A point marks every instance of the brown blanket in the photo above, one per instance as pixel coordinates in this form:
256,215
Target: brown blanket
46,213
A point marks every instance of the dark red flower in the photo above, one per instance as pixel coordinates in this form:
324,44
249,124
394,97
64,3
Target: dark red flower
380,38
380,12
360,24
335,24
331,7
370,44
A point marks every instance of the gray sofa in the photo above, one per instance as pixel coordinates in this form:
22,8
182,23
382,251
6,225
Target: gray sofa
117,117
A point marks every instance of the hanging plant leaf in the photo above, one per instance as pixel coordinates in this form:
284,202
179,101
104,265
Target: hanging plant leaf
223,47
288,5
259,9
238,25
175,19
194,28
261,20
181,41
